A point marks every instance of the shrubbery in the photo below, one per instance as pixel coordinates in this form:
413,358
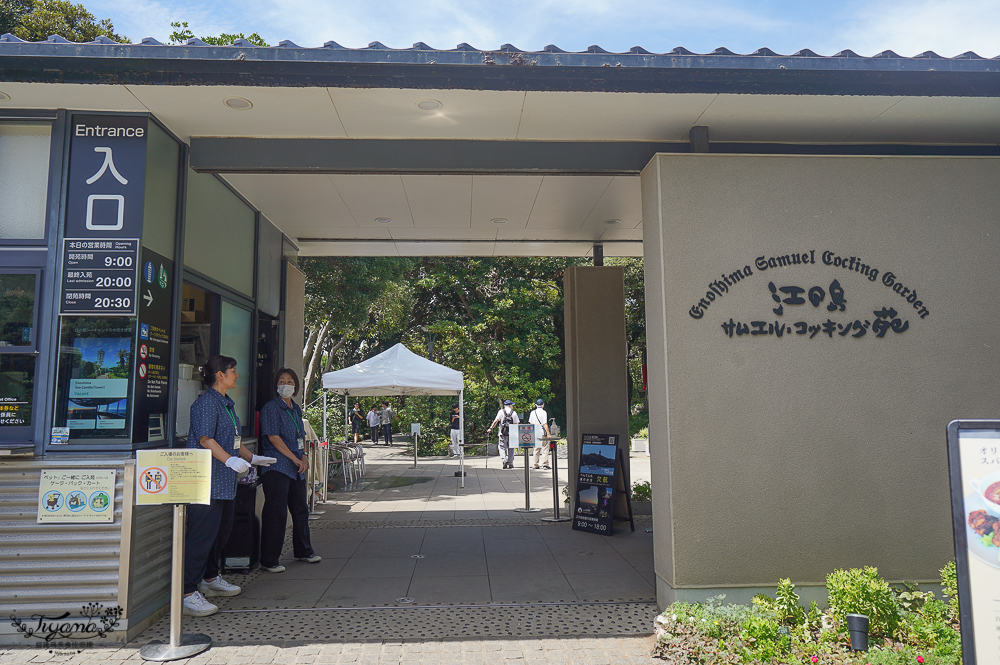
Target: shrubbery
907,626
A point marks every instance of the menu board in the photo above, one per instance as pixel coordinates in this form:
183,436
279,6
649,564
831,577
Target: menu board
76,495
594,508
974,465
99,277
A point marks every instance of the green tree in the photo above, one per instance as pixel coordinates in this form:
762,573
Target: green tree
36,20
182,33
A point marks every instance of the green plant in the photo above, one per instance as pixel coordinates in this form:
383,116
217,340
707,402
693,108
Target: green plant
642,491
863,591
786,605
639,423
949,580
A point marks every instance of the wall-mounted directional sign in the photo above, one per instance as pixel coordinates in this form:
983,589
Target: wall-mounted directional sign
99,276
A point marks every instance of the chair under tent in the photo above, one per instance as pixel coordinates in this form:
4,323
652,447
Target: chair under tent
396,371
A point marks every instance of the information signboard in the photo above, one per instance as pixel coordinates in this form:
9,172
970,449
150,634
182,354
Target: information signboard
525,436
99,276
152,357
974,466
76,496
594,510
178,475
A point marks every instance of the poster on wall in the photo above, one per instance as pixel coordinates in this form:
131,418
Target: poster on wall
974,465
594,509
76,495
152,358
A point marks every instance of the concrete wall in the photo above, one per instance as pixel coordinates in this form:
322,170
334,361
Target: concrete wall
596,369
295,317
792,456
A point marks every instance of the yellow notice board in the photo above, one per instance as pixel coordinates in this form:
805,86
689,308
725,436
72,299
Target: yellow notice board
178,475
77,495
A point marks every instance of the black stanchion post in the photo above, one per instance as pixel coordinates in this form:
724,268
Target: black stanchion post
554,453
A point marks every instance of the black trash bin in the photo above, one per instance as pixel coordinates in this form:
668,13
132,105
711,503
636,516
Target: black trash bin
242,551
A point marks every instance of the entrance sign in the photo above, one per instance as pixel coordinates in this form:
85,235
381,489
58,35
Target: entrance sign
76,496
974,469
99,277
178,476
595,487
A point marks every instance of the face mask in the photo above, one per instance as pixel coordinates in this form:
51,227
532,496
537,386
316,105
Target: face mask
286,391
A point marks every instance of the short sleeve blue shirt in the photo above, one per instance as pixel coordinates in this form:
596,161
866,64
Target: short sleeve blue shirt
210,416
279,419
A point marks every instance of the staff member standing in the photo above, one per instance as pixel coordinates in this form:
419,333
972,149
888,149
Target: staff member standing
285,482
215,426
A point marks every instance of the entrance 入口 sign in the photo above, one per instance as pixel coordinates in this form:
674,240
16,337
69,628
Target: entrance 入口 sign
76,496
178,476
974,466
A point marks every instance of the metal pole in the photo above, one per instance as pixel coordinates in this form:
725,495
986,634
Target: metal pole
415,437
347,420
527,485
181,645
324,416
461,436
554,451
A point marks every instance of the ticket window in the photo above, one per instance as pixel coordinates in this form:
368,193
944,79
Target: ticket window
18,352
199,320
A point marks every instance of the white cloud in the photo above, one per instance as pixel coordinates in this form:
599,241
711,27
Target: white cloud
947,27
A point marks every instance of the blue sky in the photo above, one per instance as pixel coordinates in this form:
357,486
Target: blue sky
948,27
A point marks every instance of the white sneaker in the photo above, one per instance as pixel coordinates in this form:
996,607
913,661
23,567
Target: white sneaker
272,569
315,558
195,605
218,587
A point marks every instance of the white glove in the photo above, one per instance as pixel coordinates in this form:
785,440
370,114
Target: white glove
263,461
238,464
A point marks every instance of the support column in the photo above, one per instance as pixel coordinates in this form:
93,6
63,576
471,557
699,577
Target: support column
596,367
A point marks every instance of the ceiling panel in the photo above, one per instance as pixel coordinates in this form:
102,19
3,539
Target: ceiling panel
468,114
370,197
69,96
294,202
439,201
445,249
787,118
277,112
348,249
610,116
936,120
503,197
621,200
564,202
448,233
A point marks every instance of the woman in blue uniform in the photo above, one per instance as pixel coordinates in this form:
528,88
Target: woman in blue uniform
214,425
284,483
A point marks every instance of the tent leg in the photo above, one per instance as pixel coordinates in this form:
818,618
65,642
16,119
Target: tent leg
324,416
461,435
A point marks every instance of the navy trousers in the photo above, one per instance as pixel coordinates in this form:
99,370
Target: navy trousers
207,531
283,495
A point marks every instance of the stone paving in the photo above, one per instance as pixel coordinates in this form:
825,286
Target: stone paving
418,570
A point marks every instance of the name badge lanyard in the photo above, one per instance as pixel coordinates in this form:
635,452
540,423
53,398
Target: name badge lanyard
300,434
237,439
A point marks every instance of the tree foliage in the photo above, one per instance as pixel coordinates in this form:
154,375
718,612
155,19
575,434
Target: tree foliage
182,33
36,20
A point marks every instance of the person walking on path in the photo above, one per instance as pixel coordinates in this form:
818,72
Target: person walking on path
540,420
284,483
215,426
373,420
456,430
506,417
357,421
386,417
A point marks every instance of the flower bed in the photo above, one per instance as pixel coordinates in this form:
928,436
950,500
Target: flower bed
907,626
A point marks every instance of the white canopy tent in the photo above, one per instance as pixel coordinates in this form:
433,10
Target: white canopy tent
397,371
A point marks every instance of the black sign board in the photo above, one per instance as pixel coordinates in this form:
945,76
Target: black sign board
974,470
107,176
600,465
99,277
152,357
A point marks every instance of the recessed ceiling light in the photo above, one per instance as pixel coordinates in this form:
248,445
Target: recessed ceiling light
238,103
383,220
612,222
429,105
499,220
4,96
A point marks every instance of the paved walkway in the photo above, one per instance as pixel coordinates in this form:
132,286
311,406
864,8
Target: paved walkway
418,570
